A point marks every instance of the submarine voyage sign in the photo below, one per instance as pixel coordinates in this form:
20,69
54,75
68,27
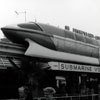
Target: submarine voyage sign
73,67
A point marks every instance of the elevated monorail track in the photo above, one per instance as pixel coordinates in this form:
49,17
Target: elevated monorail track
10,51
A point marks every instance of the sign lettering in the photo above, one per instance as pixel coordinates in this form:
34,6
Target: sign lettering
73,67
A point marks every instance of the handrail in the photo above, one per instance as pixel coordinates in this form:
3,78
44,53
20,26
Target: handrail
79,97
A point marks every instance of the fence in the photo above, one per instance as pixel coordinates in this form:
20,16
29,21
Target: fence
80,97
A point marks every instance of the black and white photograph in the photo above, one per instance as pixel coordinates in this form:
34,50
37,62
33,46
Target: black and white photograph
49,50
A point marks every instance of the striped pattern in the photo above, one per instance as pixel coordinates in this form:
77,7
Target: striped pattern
4,63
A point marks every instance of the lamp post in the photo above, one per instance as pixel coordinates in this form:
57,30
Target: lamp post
21,13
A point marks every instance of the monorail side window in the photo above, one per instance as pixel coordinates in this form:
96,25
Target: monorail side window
69,34
32,26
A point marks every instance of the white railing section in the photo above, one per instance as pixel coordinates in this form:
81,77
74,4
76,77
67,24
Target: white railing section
80,97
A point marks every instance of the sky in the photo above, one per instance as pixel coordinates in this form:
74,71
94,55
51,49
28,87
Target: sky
80,14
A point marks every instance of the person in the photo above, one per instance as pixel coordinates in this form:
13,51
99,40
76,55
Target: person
29,97
25,94
49,92
21,93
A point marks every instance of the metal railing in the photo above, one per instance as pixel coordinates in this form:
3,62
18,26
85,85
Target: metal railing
80,97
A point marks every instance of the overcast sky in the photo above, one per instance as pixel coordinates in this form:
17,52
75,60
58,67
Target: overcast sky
80,14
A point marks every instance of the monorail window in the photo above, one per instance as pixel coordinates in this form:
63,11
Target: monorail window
69,34
79,37
91,41
30,26
52,30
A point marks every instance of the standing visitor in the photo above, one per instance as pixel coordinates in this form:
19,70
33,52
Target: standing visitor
49,92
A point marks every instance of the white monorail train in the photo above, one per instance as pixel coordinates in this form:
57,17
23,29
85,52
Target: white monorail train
46,41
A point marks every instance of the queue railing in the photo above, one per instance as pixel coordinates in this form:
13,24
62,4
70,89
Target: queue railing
79,97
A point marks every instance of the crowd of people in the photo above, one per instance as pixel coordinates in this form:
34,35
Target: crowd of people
25,94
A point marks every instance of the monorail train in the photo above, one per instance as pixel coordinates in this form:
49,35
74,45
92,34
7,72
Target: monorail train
47,41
